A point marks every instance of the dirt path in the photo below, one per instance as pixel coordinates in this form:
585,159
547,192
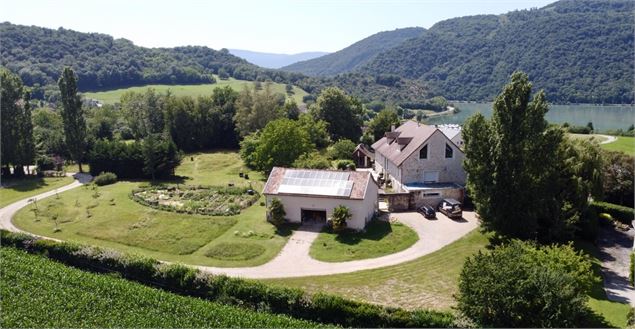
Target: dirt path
615,249
609,138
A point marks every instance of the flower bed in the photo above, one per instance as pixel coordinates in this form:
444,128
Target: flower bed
196,199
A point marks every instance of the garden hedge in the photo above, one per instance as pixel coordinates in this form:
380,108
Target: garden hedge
246,293
623,214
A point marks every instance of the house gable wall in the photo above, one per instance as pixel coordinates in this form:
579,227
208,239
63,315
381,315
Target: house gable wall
450,169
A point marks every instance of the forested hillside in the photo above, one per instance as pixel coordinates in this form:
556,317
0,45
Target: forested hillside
577,50
38,55
101,62
355,55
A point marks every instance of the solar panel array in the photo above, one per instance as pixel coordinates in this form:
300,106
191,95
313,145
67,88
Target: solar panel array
313,182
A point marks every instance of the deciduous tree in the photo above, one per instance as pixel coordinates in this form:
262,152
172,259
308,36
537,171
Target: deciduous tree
341,112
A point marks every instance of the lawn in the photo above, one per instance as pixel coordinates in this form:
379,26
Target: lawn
38,292
622,144
22,188
113,96
380,238
427,282
431,281
107,216
217,168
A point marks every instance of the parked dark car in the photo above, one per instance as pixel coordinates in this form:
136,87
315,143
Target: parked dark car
451,208
427,211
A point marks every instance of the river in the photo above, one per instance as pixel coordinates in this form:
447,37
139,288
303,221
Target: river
603,117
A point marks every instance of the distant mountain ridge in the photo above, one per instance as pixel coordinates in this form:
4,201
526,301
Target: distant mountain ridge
38,55
578,51
355,55
272,60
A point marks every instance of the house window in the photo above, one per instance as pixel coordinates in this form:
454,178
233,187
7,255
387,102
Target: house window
449,152
431,194
423,154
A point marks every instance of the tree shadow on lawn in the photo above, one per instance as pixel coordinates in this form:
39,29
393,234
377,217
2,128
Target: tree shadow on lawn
24,184
286,229
376,230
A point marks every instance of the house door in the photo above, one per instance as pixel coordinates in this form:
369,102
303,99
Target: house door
430,176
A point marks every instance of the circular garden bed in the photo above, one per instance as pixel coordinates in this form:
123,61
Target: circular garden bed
204,200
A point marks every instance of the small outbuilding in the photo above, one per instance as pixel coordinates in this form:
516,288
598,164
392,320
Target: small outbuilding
363,157
309,195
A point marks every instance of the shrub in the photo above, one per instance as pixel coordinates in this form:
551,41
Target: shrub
345,165
105,178
342,149
341,214
313,160
519,285
579,130
245,293
631,272
276,213
623,214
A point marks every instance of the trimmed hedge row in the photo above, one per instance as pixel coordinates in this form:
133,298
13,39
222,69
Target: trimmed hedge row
623,214
246,293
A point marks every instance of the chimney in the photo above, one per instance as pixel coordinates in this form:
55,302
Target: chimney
392,128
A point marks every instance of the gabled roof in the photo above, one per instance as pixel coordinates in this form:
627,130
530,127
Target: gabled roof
358,180
363,149
398,145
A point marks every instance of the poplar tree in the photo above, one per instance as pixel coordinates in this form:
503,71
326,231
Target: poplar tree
72,116
526,179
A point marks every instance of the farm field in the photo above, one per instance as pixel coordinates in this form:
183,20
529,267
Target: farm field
113,96
380,238
431,281
622,144
18,189
54,295
107,216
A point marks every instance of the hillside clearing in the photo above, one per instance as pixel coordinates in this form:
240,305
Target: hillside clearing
113,96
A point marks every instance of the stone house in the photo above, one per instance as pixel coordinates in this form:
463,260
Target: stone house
422,161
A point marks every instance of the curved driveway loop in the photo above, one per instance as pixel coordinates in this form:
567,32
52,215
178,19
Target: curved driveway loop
7,212
294,260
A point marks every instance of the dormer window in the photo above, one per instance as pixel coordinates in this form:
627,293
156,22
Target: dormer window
449,151
423,154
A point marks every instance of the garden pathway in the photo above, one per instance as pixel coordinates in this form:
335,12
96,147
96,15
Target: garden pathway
294,260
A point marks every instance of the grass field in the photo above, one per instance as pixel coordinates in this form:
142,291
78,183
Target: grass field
431,281
427,282
37,292
113,96
110,218
380,238
623,144
18,189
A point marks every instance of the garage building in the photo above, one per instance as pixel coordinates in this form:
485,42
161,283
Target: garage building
309,195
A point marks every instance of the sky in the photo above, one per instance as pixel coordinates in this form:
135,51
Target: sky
276,26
